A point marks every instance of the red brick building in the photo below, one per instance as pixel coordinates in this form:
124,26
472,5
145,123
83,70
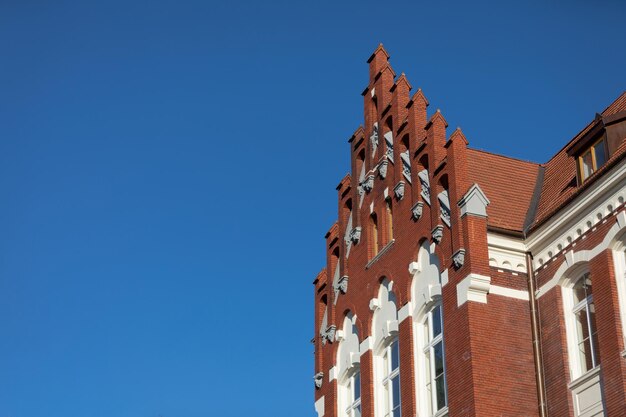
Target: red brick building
464,283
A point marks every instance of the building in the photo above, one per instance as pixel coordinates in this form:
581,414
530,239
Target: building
463,283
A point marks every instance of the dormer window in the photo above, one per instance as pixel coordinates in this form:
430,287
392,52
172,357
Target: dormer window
591,159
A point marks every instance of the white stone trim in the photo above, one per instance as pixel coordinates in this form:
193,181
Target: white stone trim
580,215
405,312
506,252
474,202
367,344
444,277
473,287
509,292
572,258
319,407
587,394
332,374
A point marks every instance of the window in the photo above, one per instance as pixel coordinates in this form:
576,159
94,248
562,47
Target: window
591,159
434,360
585,326
374,234
391,380
354,395
389,220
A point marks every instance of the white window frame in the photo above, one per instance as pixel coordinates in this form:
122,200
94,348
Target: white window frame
388,376
353,402
619,261
428,358
570,310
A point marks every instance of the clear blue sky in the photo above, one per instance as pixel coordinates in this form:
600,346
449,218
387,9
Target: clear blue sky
168,172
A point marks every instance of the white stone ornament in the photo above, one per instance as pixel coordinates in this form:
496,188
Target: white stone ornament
355,234
318,379
417,210
368,183
382,168
374,136
399,190
458,258
330,333
437,233
342,284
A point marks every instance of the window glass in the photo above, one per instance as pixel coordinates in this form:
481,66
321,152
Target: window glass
584,342
583,288
438,359
434,361
587,164
600,154
396,395
436,321
585,325
395,355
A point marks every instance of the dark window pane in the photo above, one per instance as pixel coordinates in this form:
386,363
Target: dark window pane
357,386
396,391
395,355
583,288
600,154
441,392
436,321
438,358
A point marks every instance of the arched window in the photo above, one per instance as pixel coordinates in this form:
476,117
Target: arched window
386,352
389,210
349,388
582,341
430,365
580,322
585,319
374,234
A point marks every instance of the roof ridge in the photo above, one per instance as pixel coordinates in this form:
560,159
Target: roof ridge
504,156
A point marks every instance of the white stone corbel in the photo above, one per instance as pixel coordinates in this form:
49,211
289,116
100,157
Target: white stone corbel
342,284
374,304
398,190
414,268
368,183
355,234
318,379
382,168
330,333
417,210
458,258
437,233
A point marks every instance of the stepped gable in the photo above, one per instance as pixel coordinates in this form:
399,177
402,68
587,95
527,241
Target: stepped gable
559,185
508,183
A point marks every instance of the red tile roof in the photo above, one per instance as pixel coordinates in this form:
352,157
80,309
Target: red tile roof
508,183
559,184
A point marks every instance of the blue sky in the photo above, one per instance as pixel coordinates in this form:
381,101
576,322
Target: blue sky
168,172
